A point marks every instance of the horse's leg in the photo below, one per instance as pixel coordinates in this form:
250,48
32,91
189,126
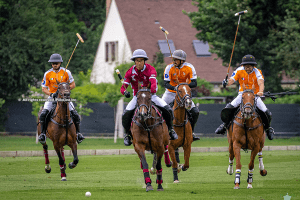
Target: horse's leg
153,168
174,161
251,167
75,157
262,172
159,179
237,155
63,156
47,162
187,153
231,157
167,158
141,153
61,162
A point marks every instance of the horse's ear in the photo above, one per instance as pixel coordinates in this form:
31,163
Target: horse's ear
57,81
187,80
149,85
253,87
139,86
244,87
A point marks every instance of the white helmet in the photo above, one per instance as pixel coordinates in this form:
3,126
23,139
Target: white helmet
139,53
179,54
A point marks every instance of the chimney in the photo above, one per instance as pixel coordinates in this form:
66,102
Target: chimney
108,2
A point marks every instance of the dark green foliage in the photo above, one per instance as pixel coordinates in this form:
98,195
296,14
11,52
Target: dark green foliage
218,25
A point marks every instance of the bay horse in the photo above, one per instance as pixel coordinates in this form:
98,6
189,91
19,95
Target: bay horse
246,132
150,133
183,128
61,130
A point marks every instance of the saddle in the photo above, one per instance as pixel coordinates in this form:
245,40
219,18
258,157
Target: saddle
228,114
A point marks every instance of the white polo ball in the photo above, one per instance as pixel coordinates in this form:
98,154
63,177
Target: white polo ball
88,194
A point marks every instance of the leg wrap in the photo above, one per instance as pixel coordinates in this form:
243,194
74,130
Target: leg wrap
260,160
175,174
46,154
237,176
166,155
177,155
250,176
62,171
159,176
146,176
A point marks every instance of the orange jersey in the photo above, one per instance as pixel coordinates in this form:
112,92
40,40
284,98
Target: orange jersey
184,74
248,79
51,76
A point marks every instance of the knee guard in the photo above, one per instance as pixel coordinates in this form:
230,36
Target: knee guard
193,116
43,115
75,116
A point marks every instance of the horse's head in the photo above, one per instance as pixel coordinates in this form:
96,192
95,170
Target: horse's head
248,102
144,103
64,90
184,96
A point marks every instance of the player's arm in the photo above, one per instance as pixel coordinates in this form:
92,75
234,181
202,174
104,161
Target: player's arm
46,91
169,86
72,85
261,85
193,83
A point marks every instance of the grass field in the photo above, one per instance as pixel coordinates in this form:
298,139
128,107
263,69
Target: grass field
120,177
14,143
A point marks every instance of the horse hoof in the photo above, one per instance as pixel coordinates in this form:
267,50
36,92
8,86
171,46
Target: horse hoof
230,173
148,188
263,172
176,181
152,171
169,165
63,179
236,187
71,165
249,186
47,169
160,188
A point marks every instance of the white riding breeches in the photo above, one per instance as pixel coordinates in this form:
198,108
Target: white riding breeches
49,104
259,103
158,101
169,97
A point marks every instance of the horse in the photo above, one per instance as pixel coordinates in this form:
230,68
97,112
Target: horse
61,130
149,133
183,128
246,132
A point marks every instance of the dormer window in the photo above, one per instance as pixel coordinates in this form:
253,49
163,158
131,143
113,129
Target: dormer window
201,48
164,48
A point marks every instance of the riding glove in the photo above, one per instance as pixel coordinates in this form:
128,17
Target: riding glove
127,94
224,82
54,95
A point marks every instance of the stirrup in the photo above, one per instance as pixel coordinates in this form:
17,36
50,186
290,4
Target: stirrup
127,140
195,138
221,129
270,133
79,138
173,134
42,138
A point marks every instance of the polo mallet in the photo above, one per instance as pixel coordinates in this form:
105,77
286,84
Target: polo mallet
236,14
166,33
120,76
79,38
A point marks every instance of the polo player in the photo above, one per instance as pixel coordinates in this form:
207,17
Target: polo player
247,74
49,87
178,72
145,74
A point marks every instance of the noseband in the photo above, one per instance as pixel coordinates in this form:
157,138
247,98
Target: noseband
181,100
66,92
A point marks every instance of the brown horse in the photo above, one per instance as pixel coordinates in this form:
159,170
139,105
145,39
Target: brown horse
183,128
61,130
150,133
246,132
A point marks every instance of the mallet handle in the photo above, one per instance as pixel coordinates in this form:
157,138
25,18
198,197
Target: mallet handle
120,76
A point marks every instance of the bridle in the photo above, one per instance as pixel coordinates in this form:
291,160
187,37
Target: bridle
181,100
64,92
248,105
148,108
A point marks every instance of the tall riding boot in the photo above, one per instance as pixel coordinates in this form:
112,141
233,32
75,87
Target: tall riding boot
269,130
76,118
193,115
227,113
42,136
126,122
167,114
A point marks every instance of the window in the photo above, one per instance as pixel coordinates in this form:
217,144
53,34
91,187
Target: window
201,48
164,48
111,51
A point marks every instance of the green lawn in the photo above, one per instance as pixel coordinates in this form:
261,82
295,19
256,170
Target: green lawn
24,143
120,177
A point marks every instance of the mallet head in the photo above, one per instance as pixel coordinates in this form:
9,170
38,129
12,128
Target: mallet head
241,13
79,37
164,30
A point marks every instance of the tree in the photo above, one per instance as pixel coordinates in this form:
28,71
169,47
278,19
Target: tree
217,24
